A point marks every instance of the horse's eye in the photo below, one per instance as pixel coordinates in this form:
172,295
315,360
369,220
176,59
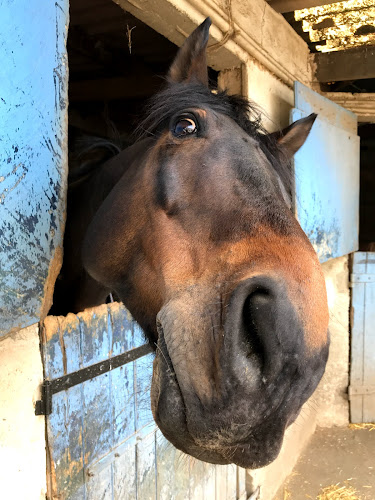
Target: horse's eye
184,126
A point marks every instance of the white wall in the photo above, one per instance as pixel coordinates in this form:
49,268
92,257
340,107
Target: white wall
22,433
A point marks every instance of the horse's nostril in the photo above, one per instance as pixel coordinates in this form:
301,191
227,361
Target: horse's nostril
255,307
260,319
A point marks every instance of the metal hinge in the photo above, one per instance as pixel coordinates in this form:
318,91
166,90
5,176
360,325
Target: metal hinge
51,387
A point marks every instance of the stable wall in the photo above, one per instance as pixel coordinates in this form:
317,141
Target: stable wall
267,56
331,397
22,434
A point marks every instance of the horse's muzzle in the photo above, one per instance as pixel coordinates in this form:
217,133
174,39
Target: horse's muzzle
226,385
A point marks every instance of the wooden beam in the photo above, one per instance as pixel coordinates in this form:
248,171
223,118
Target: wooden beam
291,5
351,64
363,105
105,89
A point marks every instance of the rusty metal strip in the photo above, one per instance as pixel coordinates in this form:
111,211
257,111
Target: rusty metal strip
51,387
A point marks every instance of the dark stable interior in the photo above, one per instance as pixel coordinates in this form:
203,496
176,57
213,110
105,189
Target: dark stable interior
116,63
367,188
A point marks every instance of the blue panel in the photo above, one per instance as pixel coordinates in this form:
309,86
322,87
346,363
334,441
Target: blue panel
122,326
65,443
103,441
143,377
327,182
123,398
33,155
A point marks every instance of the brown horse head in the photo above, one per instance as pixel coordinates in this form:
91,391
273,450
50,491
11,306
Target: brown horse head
198,241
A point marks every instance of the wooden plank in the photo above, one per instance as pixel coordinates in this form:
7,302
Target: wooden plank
359,262
124,471
64,425
146,463
241,483
292,5
342,65
65,438
196,484
308,101
231,482
221,482
143,375
369,343
123,403
121,323
357,337
52,348
123,382
99,484
172,470
96,343
209,481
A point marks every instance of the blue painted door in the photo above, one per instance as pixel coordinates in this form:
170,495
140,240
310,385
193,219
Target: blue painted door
327,175
362,363
33,156
102,439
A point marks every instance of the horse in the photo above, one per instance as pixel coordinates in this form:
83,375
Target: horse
191,228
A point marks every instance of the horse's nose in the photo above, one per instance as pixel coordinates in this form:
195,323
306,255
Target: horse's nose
264,320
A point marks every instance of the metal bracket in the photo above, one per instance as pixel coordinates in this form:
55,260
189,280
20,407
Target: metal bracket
44,406
51,387
361,390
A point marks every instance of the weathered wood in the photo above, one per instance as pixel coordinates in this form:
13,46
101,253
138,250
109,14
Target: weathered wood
342,65
327,176
103,441
146,463
291,5
172,470
361,104
125,472
362,366
33,157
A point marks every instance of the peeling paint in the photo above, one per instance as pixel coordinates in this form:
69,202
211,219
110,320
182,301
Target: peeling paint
102,439
33,77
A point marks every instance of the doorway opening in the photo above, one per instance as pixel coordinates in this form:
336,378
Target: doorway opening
367,188
116,64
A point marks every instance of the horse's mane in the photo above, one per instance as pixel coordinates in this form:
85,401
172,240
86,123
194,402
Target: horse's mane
163,105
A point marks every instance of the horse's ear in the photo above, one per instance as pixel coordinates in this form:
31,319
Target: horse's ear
292,138
190,64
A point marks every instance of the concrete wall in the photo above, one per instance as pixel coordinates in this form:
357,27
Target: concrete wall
331,399
273,96
22,434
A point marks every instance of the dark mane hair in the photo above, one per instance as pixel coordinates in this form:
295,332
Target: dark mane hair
163,105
